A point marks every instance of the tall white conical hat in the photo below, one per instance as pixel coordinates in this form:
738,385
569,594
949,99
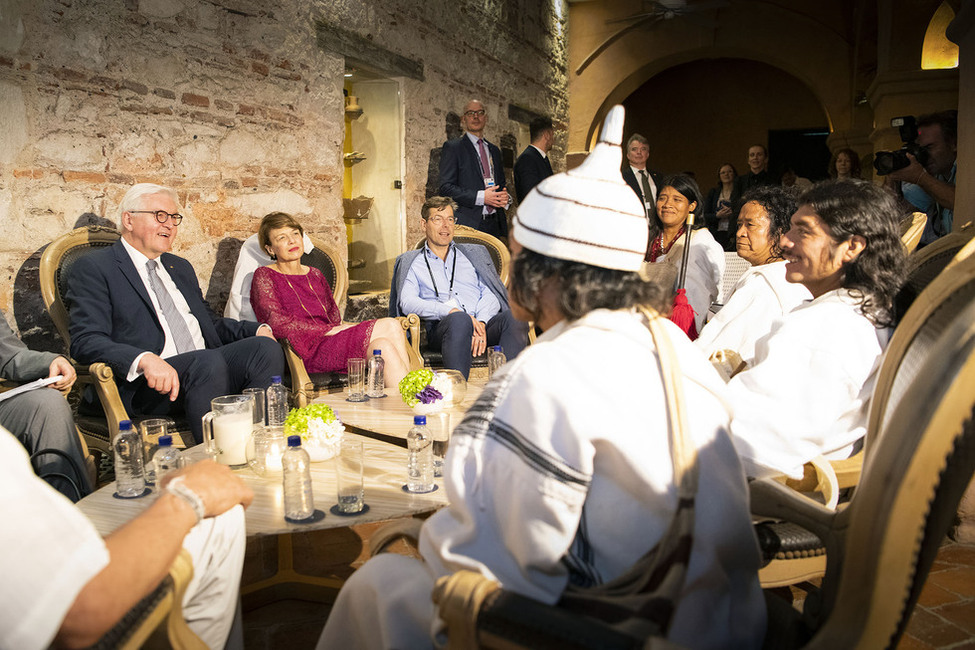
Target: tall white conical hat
588,214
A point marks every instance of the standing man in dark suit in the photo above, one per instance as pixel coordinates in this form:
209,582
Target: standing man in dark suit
757,176
533,166
139,308
472,174
645,182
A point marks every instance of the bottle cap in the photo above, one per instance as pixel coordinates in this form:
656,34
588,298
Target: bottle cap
165,441
125,425
275,379
496,348
420,419
294,441
376,352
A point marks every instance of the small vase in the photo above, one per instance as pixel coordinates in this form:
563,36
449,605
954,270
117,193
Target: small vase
426,409
458,389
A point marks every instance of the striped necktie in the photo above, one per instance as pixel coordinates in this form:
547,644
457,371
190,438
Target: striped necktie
177,325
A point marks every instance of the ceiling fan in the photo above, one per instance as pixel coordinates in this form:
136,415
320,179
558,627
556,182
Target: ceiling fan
658,10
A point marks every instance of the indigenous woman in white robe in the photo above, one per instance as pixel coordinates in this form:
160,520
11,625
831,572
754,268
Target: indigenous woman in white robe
679,197
762,294
808,391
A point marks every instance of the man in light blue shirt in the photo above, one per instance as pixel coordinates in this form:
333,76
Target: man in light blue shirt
456,291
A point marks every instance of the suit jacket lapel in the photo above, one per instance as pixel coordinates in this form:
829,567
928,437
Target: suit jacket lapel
128,270
472,150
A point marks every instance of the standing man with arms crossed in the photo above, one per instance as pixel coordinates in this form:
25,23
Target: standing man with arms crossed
472,174
533,165
140,309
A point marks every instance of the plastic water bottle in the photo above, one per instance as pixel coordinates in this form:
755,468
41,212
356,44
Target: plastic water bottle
419,465
130,478
167,458
277,403
376,375
496,359
299,503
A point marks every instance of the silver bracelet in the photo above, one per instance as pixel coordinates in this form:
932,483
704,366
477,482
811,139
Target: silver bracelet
177,487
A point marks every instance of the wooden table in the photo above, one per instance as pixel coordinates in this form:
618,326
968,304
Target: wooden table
389,419
384,476
383,480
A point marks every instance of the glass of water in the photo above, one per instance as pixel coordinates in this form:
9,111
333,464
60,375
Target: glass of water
439,425
357,379
348,476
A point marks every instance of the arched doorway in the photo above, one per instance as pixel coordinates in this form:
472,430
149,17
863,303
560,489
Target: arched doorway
700,114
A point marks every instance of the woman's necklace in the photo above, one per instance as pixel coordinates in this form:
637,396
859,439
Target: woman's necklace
657,248
310,288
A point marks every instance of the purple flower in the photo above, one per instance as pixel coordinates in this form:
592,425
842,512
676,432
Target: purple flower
429,395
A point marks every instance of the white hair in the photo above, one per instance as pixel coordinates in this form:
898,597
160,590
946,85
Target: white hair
133,198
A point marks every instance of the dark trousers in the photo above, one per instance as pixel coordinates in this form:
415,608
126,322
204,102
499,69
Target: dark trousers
41,419
452,337
205,374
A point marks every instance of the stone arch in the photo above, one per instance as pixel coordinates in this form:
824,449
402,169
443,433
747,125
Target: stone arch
831,106
809,40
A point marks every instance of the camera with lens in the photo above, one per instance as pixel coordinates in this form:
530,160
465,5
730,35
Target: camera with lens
886,162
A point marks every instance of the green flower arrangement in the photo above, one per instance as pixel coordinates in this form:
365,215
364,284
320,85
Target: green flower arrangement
414,384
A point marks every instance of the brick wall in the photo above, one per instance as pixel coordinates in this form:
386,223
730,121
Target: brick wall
236,105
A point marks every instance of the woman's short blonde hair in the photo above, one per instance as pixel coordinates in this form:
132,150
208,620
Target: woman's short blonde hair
273,221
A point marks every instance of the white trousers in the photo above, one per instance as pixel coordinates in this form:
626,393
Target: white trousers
385,604
217,546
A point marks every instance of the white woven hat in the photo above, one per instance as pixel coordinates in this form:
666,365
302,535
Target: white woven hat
588,214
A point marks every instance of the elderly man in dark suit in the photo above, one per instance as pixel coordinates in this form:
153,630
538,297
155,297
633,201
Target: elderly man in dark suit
139,308
645,182
533,166
472,174
41,419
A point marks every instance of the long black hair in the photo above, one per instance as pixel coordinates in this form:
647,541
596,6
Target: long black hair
854,207
779,204
687,186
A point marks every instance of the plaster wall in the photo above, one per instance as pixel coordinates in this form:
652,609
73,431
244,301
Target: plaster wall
810,47
236,105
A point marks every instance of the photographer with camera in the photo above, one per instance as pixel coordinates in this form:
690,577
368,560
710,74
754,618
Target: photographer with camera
925,168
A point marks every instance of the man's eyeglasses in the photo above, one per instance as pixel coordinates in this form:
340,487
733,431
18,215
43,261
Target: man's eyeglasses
478,113
438,220
161,215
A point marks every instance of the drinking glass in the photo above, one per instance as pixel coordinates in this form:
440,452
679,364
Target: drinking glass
227,428
348,476
496,359
258,394
151,430
439,425
356,368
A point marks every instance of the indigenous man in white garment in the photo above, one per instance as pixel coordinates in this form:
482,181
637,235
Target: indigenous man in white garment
65,585
762,294
807,392
560,476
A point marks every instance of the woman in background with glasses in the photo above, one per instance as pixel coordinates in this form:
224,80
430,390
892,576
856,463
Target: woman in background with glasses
296,301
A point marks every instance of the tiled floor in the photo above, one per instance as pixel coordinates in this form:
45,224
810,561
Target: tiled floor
944,617
945,613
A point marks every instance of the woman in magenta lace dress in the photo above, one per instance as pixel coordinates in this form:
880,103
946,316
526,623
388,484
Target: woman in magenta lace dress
296,301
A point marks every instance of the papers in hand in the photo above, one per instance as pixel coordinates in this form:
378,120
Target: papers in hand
40,383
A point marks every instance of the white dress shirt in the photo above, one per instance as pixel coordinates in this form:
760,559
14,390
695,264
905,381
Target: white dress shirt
169,349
